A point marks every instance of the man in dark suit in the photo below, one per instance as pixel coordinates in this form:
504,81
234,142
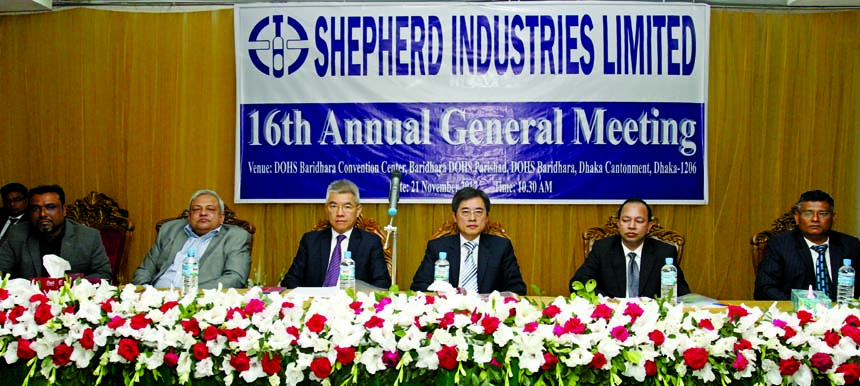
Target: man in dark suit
317,262
496,268
618,262
794,259
223,251
49,232
14,205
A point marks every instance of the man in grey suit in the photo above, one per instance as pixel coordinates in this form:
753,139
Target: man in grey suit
50,232
223,250
794,260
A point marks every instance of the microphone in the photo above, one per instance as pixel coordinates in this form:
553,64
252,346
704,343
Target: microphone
394,193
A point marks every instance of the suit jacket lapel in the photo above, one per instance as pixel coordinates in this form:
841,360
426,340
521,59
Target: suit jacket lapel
805,254
322,255
619,266
485,253
454,260
647,261
34,252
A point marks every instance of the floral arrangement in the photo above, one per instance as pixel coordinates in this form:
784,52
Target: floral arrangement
90,334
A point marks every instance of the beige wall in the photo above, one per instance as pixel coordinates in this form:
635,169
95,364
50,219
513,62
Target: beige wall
140,106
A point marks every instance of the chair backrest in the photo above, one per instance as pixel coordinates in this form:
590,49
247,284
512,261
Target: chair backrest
103,213
450,228
782,224
369,225
229,218
611,228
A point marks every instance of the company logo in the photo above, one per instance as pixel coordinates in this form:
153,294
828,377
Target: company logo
275,47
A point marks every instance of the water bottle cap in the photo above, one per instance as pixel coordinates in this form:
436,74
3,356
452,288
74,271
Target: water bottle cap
669,260
846,262
392,212
191,252
347,254
443,255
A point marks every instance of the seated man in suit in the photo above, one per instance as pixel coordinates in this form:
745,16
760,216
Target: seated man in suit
14,205
317,262
628,265
50,232
496,268
792,260
223,250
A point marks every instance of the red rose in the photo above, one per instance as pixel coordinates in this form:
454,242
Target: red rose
476,317
43,314
16,313
850,371
355,307
379,306
87,339
390,358
446,320
530,327
549,361
171,358
742,344
852,320
657,337
254,306
737,312
620,333
804,317
4,294
234,334
70,309
832,338
235,311
633,311
210,333
447,357
789,332
128,349
62,354
602,311
345,355
551,311
598,361
24,350
200,350
191,326
2,317
851,332
321,367
490,324
140,321
741,362
374,322
650,368
116,322
39,298
106,305
706,324
821,361
168,306
696,357
240,362
292,330
271,364
574,325
788,366
429,299
316,323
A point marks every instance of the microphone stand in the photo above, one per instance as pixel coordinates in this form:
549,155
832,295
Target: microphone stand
390,230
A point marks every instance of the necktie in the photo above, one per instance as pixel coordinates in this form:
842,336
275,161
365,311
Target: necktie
470,281
8,225
822,276
632,276
333,272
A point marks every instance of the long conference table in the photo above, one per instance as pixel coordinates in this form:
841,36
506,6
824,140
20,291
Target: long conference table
89,334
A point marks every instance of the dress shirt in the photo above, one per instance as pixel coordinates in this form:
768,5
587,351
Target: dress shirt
464,253
814,254
638,252
9,224
173,277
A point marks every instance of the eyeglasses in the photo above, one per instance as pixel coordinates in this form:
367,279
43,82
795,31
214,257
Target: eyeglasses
346,208
821,214
14,199
50,208
478,213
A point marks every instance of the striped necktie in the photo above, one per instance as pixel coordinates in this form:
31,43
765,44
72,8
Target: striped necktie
333,272
470,281
822,276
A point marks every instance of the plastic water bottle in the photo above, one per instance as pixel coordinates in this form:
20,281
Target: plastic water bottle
669,282
845,283
347,272
443,267
190,267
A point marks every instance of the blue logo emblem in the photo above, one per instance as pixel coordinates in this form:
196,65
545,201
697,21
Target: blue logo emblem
272,50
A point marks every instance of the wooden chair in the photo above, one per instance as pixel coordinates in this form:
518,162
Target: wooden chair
229,218
368,224
103,213
782,224
611,228
450,228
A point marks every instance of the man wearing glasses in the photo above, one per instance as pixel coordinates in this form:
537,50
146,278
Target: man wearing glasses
317,262
49,232
809,255
479,263
14,205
